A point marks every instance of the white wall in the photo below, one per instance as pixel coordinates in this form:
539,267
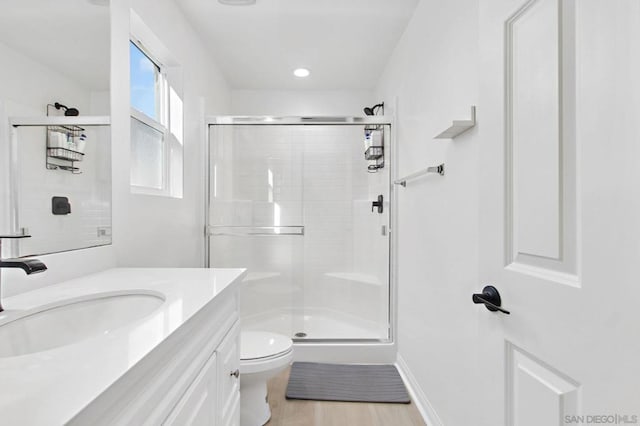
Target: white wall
301,102
432,75
150,230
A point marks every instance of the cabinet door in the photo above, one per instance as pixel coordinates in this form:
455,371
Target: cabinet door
229,383
197,407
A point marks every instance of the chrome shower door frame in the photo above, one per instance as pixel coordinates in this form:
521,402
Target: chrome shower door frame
310,348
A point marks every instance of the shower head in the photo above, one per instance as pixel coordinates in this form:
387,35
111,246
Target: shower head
69,112
373,109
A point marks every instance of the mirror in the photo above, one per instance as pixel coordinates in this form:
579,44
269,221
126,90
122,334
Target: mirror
56,63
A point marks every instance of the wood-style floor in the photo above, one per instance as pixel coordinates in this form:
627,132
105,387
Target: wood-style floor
326,413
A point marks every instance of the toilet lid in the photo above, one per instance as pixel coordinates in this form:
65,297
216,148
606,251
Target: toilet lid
262,344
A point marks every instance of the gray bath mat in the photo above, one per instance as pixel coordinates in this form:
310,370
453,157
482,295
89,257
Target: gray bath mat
345,382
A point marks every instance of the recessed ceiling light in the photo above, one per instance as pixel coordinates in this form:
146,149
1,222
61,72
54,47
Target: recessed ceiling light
301,72
238,2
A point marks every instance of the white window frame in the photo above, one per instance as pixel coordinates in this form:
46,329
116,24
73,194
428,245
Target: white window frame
161,125
170,84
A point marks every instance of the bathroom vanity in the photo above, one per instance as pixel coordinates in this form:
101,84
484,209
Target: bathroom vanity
124,346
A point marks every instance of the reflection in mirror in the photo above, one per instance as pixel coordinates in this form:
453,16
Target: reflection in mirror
54,51
60,196
55,62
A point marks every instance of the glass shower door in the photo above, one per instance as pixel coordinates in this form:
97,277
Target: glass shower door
346,243
255,220
300,208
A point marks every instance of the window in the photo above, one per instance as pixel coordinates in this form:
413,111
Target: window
145,82
156,124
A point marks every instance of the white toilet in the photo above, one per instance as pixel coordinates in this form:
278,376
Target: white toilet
262,356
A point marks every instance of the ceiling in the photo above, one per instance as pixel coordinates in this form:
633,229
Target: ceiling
70,36
345,43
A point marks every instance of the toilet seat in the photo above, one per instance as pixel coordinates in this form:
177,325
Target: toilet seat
261,352
262,345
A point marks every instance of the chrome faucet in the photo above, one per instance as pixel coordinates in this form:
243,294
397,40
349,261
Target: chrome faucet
29,266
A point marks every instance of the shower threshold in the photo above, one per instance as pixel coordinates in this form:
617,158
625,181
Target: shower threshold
316,324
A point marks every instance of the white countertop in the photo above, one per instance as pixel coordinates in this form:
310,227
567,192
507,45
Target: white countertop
52,386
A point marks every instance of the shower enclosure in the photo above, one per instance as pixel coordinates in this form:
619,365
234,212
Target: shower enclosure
297,203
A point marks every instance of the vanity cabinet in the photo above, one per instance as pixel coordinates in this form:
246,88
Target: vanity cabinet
189,379
198,404
214,396
228,401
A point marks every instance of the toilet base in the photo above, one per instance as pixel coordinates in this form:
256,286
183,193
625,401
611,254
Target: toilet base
254,405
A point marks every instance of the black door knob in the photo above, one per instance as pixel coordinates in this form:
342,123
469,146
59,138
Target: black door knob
491,299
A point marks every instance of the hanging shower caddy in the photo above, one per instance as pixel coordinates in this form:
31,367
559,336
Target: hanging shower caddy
62,153
374,147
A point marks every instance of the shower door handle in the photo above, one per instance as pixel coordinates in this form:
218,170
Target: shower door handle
249,231
379,204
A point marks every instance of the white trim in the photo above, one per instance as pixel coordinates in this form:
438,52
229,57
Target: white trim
145,119
393,159
161,125
149,42
146,52
152,47
418,396
559,277
147,190
84,120
165,190
162,93
309,120
345,352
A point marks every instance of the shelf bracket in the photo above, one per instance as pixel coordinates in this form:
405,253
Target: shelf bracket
459,126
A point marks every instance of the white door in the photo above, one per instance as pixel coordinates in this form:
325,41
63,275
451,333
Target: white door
559,127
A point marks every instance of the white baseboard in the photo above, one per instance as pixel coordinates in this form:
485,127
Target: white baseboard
417,394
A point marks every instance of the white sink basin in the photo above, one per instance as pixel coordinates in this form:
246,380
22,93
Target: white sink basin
70,321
